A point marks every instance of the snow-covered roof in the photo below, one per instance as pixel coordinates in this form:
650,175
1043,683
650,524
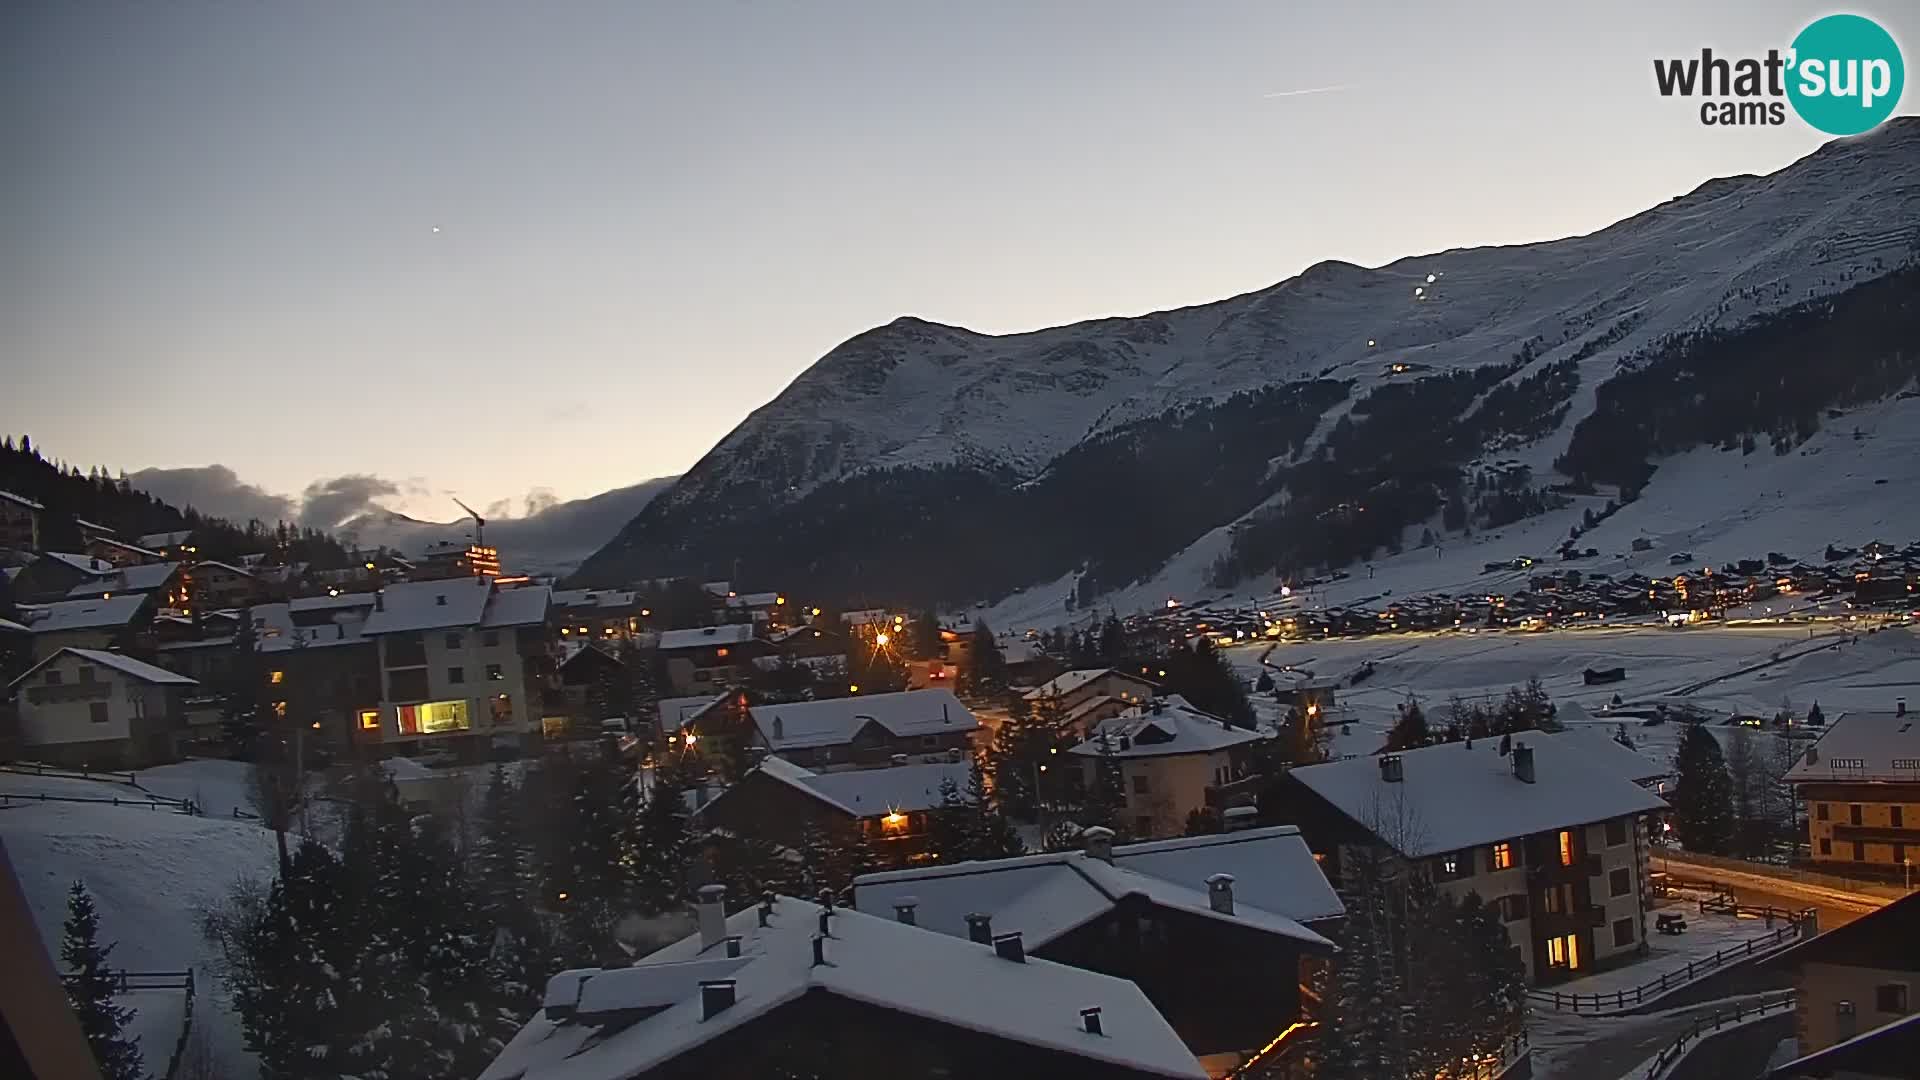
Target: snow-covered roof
1879,744
275,631
1068,681
1458,795
412,606
594,598
331,603
165,539
86,564
872,792
144,577
834,722
94,526
124,546
1601,749
676,711
12,627
757,599
21,500
728,634
1277,886
525,605
1168,727
874,961
228,567
82,614
126,665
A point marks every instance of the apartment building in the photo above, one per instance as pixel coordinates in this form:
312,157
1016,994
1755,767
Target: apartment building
1861,787
19,522
1169,755
95,709
1548,828
1087,696
462,660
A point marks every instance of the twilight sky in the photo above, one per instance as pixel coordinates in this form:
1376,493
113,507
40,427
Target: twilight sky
217,220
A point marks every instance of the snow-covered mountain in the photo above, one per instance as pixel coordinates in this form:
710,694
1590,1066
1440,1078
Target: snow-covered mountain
1010,460
554,540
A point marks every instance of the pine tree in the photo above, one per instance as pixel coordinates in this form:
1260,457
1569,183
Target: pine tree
989,665
1202,675
992,836
516,966
950,825
90,985
657,865
1703,794
1410,730
1361,1034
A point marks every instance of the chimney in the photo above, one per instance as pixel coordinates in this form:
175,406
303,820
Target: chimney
379,599
1899,706
716,997
712,911
943,713
1237,818
903,909
1220,892
1090,1020
826,900
819,950
1813,755
1010,947
1523,762
980,928
1391,771
733,945
1098,842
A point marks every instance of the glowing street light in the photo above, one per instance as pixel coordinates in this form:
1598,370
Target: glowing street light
882,638
691,738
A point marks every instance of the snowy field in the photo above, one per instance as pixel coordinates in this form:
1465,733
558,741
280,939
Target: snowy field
150,873
1719,670
1670,953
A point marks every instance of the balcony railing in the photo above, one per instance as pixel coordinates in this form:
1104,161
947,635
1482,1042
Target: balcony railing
61,693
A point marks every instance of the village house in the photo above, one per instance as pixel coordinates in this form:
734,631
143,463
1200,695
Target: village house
605,615
118,623
1169,755
592,683
177,544
713,657
94,709
164,578
1084,697
221,585
890,805
1549,829
867,729
678,715
790,987
317,667
1855,995
1861,787
19,522
1223,933
120,553
461,660
53,575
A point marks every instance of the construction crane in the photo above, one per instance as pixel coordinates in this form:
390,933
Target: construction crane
479,523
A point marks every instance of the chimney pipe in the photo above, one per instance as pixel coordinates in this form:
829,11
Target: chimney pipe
712,912
1098,842
980,928
1010,947
903,909
733,945
1523,762
826,899
1391,770
819,950
716,997
1090,1020
1220,892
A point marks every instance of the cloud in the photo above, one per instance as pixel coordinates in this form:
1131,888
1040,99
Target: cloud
1307,90
325,504
539,501
214,490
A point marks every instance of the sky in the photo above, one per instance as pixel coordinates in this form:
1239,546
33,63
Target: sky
515,251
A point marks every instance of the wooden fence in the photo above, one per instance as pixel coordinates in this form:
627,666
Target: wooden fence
1797,924
1671,1054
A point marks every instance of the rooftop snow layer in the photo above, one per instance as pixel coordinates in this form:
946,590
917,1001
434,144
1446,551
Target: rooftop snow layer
413,606
729,634
82,614
1458,795
1174,727
876,791
1864,745
834,722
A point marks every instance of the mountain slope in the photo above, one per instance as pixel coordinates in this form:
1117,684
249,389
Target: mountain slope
554,540
1103,449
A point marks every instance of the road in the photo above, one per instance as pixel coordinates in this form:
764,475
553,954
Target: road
1567,1047
1836,908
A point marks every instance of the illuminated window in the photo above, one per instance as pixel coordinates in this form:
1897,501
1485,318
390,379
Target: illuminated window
369,719
495,672
1502,856
280,709
433,717
502,706
1563,952
721,652
1566,847
277,678
553,726
894,822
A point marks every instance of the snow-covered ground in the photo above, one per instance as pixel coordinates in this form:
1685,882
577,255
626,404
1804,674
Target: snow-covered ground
1670,953
150,872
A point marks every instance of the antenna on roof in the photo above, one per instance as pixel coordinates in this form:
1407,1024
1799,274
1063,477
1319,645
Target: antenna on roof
479,523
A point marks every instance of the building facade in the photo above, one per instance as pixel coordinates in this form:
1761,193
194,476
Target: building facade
95,709
19,522
1861,787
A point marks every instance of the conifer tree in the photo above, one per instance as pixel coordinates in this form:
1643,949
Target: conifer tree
1703,794
989,665
90,987
516,966
1410,730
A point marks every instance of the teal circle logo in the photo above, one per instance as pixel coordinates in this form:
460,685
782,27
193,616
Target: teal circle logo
1846,74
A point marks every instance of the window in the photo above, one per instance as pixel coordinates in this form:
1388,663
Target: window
1501,858
456,675
53,677
1513,908
1616,832
280,710
1859,851
1853,814
433,717
453,641
1826,846
1557,900
1564,952
408,685
1899,854
86,673
495,673
1896,817
277,677
702,675
1890,997
1620,882
490,639
1820,811
1139,783
369,719
502,706
1566,847
97,712
1622,932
